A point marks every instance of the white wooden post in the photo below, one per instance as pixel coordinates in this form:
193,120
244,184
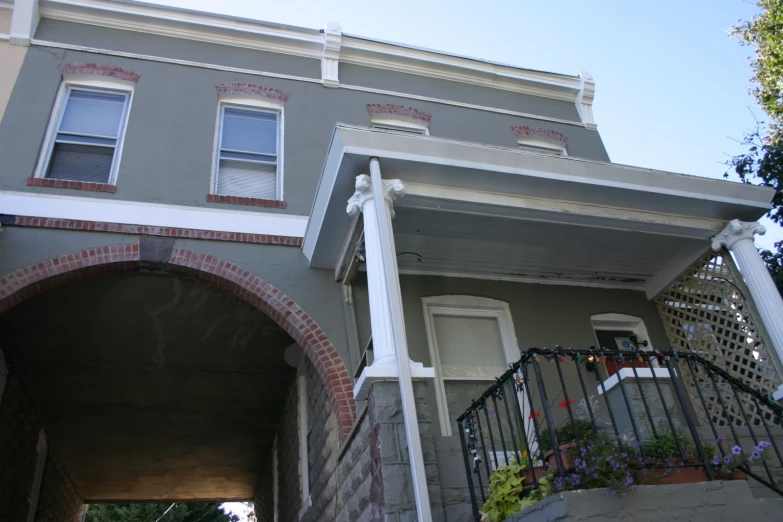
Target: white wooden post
374,198
738,238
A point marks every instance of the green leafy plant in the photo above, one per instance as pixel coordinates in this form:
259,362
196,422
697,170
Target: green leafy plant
581,430
506,486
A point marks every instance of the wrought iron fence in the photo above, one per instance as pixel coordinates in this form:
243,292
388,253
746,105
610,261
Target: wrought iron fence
539,411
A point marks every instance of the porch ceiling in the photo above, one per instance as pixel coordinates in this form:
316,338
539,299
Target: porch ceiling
459,244
477,210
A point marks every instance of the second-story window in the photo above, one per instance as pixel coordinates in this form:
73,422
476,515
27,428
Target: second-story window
249,149
88,135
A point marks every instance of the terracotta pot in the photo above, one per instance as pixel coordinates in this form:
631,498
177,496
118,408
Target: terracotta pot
683,476
565,455
737,474
538,471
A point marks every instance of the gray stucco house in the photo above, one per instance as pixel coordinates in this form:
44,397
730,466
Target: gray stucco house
248,261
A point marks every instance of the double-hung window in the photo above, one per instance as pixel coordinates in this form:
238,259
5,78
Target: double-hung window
471,342
87,138
248,156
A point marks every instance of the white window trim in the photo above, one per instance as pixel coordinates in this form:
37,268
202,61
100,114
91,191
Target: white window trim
242,102
464,306
42,451
304,432
534,144
388,123
58,111
622,322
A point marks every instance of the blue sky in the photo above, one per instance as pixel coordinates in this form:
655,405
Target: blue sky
671,86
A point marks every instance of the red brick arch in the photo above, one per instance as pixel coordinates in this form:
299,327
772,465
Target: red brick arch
39,277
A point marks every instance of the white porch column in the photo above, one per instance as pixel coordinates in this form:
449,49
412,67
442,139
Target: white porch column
374,198
738,238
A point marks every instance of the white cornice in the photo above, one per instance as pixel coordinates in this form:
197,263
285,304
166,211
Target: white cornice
394,57
190,25
310,43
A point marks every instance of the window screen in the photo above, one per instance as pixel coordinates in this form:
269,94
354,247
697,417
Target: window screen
469,346
247,163
87,135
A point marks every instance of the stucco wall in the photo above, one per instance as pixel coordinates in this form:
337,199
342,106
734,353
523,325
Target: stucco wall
179,103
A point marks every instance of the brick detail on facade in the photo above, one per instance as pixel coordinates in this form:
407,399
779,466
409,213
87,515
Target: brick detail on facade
35,279
59,500
251,202
73,69
264,500
252,91
540,132
143,230
400,111
66,184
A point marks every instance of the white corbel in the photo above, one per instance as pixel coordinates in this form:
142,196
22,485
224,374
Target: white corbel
584,100
330,58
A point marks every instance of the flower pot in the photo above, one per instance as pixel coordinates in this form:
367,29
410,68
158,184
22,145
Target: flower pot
566,454
671,476
537,471
689,475
737,474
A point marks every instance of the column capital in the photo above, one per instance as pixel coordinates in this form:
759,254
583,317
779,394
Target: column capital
391,189
736,231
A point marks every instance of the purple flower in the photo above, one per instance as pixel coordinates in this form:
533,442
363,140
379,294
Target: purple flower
755,455
727,459
763,445
716,461
719,440
736,450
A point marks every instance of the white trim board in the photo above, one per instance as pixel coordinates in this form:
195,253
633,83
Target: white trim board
150,214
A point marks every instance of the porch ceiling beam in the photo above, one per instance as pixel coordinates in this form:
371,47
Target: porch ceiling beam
438,197
677,264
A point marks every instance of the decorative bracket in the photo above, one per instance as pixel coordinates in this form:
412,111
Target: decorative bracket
584,100
330,58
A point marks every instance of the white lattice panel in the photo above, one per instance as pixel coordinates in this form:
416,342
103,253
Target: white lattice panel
705,312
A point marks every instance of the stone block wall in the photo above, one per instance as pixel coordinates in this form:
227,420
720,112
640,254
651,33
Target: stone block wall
374,469
59,500
323,446
18,439
263,501
288,459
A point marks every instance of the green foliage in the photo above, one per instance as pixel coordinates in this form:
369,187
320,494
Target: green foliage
764,160
565,434
765,33
665,447
600,462
506,486
151,512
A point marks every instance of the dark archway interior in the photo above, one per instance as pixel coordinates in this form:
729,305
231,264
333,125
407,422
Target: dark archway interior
152,387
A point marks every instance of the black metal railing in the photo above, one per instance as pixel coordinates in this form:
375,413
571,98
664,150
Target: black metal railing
552,398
